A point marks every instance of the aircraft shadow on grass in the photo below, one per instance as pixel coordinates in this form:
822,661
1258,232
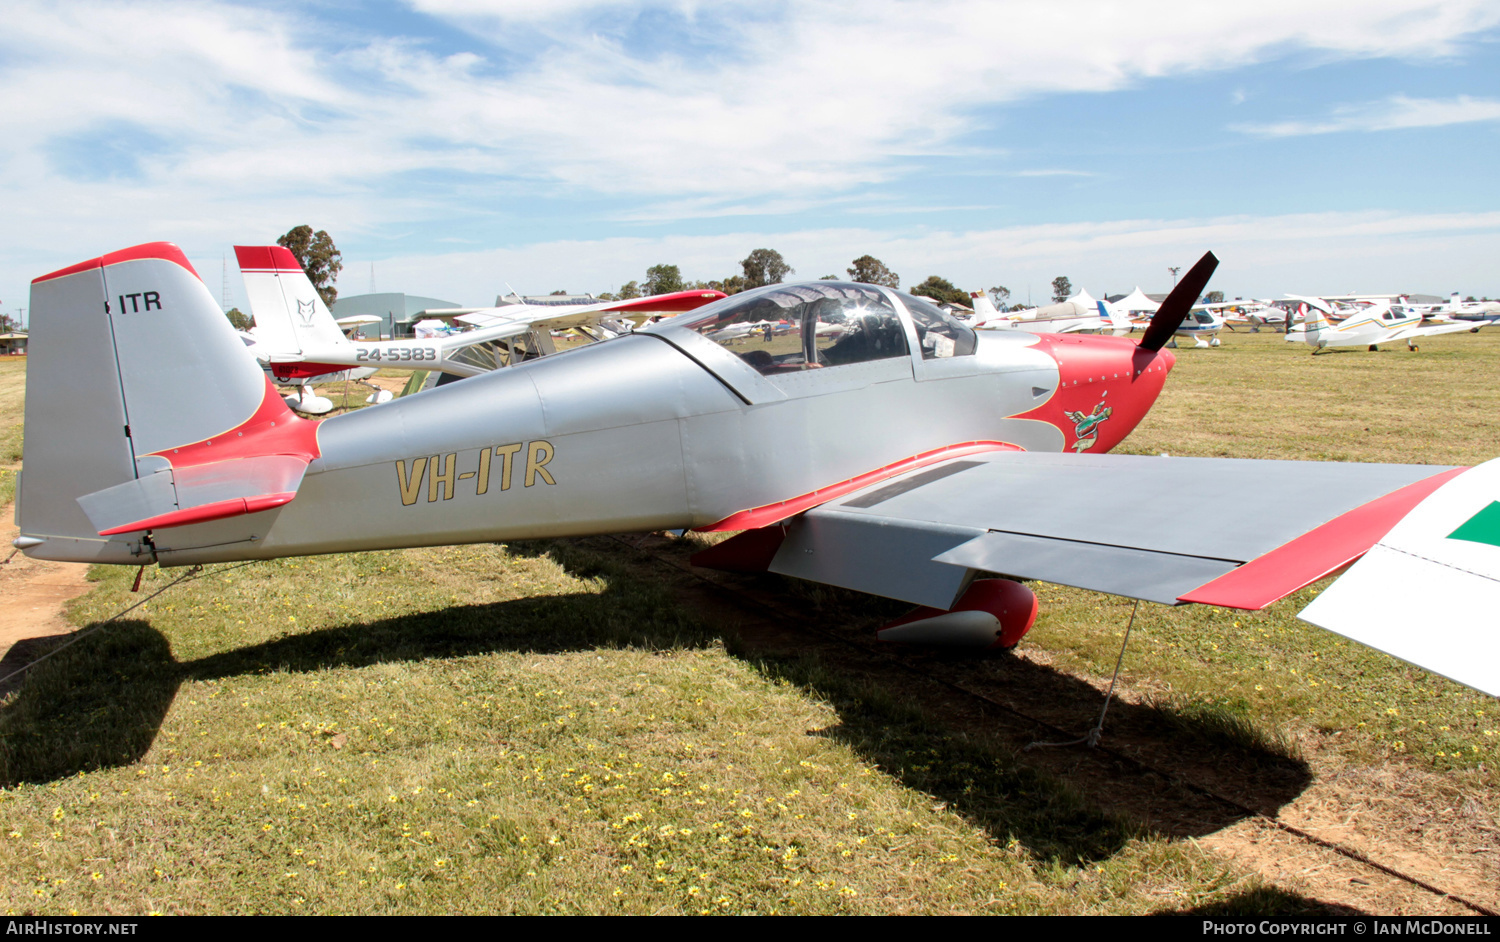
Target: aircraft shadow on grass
101,704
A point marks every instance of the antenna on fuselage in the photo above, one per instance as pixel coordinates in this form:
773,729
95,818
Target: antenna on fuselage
1174,310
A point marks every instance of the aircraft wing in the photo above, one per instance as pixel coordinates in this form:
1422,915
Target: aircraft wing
922,536
1432,330
561,317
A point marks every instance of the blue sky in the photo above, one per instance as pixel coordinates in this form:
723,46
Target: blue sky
460,146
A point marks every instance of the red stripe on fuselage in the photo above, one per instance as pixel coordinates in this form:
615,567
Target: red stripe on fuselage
272,430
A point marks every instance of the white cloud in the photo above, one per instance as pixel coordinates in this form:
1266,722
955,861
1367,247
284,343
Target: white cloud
806,99
1390,114
1260,255
227,123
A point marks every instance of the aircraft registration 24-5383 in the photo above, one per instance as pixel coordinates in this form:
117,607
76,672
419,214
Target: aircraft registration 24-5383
858,436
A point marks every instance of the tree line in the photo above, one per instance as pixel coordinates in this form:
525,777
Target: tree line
322,261
768,267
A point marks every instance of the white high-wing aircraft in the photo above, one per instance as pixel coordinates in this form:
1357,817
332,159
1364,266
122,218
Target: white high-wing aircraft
296,337
600,320
1377,323
1078,314
1469,310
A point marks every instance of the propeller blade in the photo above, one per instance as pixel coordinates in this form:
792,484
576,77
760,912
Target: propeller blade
1174,310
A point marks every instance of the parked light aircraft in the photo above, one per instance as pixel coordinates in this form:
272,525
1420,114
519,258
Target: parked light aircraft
1377,323
1202,326
1459,309
1255,313
1079,314
298,339
901,458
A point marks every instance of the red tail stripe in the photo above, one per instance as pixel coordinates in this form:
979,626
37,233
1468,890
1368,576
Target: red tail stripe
166,251
272,430
266,258
1316,553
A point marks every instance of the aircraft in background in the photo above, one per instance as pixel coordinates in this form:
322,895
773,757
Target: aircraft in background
905,458
1372,325
1202,326
1078,314
298,341
1458,309
1252,312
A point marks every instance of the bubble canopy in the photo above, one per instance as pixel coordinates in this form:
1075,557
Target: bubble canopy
784,328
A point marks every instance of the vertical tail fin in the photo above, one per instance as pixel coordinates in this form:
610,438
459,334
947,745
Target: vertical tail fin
137,383
1119,323
289,313
984,308
1314,323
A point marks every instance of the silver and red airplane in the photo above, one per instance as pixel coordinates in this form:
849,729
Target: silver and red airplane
905,456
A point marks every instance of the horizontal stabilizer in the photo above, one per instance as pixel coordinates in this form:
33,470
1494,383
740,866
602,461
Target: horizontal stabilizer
174,497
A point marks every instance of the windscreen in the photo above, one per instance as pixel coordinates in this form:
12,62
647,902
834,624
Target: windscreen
939,333
788,328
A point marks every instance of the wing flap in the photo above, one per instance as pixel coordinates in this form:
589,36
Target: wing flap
1119,570
893,559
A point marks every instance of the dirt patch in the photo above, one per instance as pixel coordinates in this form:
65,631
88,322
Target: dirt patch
32,596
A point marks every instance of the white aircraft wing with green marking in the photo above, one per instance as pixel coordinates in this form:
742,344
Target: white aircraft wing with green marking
1429,591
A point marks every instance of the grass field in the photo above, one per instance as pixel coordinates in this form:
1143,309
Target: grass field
12,412
538,728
